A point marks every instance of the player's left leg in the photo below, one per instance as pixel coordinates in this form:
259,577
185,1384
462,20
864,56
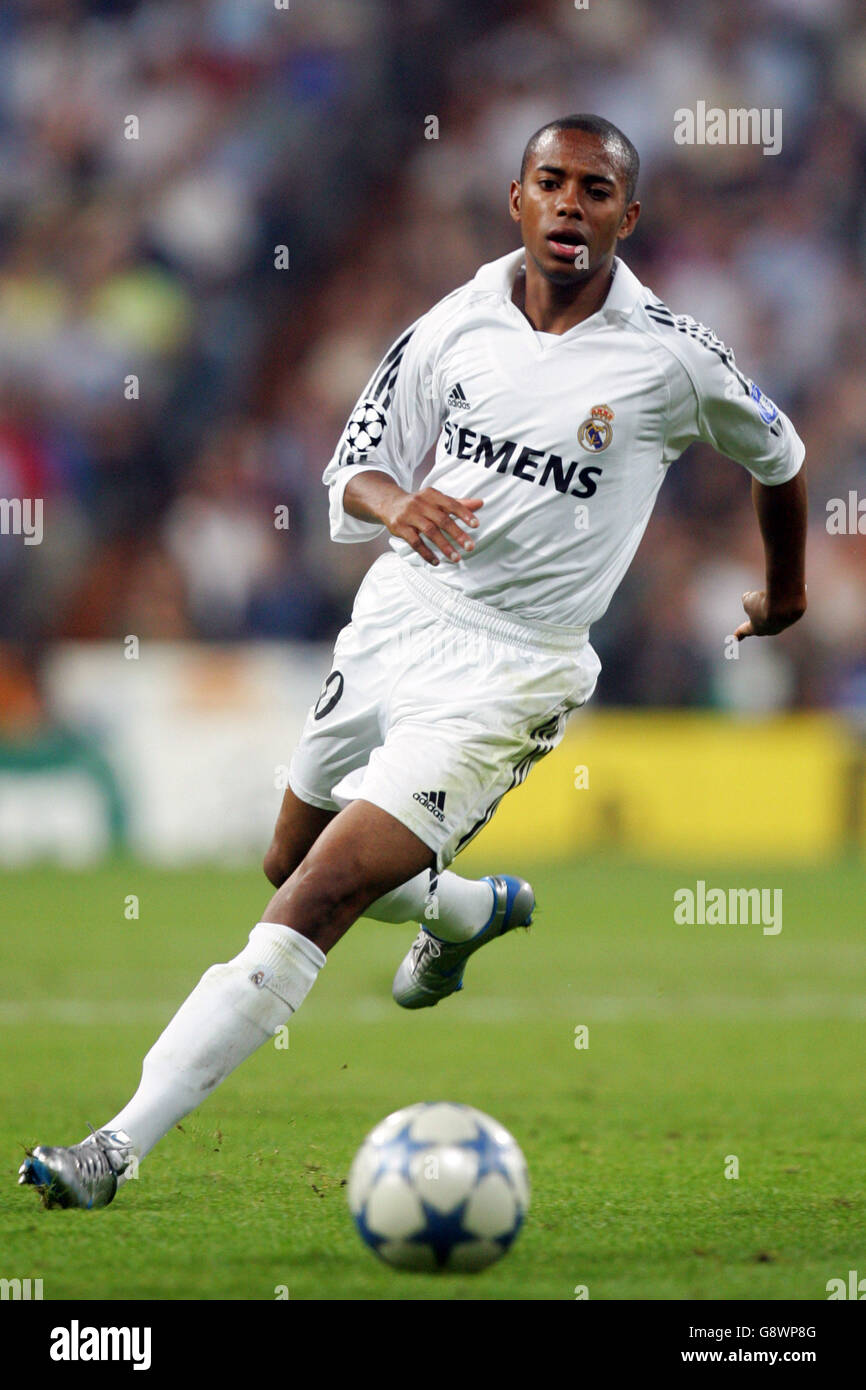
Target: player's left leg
363,853
434,965
236,1007
457,908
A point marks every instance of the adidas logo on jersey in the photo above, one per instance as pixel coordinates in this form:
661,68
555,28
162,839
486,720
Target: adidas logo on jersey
433,802
457,398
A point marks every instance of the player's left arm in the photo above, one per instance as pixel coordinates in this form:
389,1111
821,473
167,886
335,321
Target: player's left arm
782,514
709,398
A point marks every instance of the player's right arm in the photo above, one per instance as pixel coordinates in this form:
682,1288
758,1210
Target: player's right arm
424,519
396,420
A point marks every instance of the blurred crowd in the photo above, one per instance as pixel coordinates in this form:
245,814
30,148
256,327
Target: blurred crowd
215,215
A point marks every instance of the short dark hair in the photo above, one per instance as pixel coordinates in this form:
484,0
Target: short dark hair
628,156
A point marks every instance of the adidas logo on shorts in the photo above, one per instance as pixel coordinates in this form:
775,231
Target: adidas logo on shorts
434,802
457,398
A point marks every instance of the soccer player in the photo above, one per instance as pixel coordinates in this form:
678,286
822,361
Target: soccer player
558,391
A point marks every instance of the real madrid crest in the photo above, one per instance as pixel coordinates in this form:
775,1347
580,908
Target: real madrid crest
596,433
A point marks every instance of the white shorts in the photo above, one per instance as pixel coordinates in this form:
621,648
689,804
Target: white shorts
437,706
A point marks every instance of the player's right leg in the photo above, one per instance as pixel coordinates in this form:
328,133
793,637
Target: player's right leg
238,1006
298,827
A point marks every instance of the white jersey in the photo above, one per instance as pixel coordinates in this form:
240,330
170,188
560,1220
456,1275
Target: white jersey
566,438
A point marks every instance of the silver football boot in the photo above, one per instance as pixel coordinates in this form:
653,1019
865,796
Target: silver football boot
432,969
85,1175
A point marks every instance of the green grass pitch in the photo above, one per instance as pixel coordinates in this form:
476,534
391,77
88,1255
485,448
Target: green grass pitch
704,1042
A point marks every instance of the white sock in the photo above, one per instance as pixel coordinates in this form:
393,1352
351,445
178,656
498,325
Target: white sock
233,1009
451,907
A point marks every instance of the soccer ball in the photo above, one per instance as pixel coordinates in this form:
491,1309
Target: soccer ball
439,1187
365,428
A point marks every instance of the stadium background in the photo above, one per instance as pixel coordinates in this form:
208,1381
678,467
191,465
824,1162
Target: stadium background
306,128
138,788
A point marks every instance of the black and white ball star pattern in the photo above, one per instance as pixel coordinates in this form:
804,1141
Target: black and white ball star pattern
365,427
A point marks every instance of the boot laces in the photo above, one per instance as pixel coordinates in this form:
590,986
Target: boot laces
427,947
95,1158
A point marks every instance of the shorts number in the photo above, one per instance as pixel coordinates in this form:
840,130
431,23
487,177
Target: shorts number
331,692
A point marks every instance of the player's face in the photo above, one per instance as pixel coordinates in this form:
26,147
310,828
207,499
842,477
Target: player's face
573,196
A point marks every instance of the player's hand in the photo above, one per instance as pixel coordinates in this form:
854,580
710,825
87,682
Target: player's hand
766,617
429,519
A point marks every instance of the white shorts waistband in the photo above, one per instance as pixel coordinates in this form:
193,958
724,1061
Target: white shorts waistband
468,613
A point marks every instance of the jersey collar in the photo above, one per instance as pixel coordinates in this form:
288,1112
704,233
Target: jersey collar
625,292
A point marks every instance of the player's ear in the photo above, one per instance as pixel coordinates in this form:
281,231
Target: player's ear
514,200
627,225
